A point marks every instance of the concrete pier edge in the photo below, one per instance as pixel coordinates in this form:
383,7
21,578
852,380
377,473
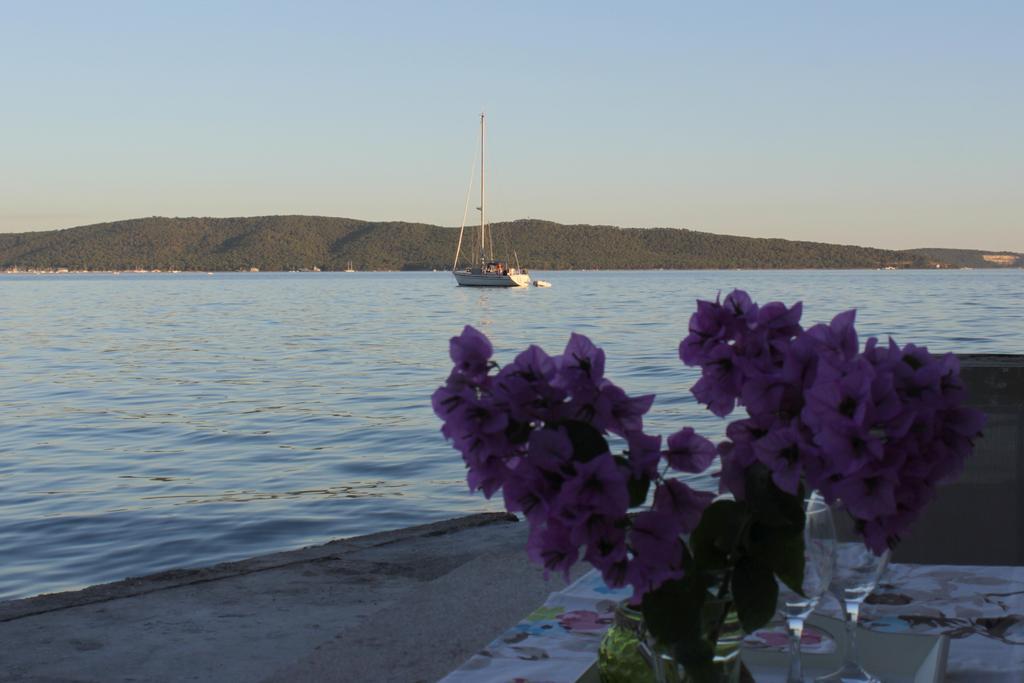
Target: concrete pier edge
174,578
405,605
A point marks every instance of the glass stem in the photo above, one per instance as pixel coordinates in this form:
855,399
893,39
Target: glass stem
852,653
796,633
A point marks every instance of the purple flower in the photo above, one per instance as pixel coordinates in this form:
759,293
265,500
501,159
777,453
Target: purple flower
740,349
960,425
487,474
619,413
837,341
686,505
597,487
784,451
533,481
953,392
717,323
841,413
605,541
471,352
527,490
708,328
550,449
550,546
740,305
885,532
580,367
768,394
737,454
721,381
800,364
689,451
615,573
525,387
841,400
780,321
868,494
468,416
644,455
477,429
882,356
657,551
731,476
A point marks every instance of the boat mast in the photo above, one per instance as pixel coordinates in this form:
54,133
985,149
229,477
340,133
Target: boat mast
483,215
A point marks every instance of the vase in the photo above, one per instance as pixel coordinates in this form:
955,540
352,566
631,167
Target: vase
628,654
620,656
717,616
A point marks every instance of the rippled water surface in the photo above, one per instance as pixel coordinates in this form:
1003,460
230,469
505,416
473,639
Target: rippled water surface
158,421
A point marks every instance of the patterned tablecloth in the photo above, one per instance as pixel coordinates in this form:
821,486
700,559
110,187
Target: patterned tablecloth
980,609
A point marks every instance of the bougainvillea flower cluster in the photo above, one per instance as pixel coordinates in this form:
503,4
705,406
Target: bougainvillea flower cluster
876,429
537,428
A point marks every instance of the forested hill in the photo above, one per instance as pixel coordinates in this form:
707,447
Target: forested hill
971,258
305,242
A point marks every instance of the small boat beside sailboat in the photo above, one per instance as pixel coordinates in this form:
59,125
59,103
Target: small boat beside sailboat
490,272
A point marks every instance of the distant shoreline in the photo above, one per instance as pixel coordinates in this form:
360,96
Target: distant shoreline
65,271
312,243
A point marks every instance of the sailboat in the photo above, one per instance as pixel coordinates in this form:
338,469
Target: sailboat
349,268
490,273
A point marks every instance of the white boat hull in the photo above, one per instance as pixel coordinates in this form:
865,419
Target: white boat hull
469,279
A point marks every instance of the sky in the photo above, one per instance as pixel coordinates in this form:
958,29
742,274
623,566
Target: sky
883,124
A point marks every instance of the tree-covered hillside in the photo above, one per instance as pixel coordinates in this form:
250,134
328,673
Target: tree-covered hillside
971,258
305,242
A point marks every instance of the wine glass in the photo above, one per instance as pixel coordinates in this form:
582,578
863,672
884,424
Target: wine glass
819,560
857,573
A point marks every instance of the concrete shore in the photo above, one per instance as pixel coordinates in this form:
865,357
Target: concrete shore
401,606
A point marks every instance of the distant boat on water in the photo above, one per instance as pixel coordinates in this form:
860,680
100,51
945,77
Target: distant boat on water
490,272
350,269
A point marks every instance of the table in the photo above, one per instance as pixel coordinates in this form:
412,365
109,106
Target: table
980,609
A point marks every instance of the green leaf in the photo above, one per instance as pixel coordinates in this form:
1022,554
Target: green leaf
638,489
770,505
688,563
637,486
718,534
677,616
672,612
783,553
518,432
587,442
755,592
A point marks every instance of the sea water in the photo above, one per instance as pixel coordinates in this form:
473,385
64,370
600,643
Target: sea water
155,421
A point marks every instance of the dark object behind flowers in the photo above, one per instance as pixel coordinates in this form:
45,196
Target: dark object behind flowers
878,429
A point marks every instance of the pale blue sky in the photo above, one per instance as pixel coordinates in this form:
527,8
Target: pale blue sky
876,123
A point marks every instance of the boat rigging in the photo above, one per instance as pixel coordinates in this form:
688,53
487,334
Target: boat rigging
490,272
